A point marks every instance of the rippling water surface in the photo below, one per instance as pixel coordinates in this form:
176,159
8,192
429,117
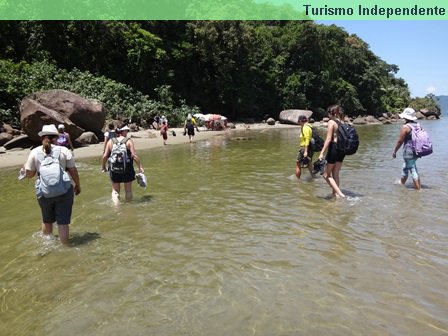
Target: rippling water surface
226,242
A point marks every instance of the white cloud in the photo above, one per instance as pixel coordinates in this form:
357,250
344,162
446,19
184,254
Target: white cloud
430,89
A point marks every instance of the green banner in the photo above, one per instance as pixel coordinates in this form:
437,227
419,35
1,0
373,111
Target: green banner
222,10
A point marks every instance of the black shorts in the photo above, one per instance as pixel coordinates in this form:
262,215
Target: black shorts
302,159
190,131
57,209
334,155
128,176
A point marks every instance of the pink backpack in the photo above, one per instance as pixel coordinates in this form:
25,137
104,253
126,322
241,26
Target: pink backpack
421,142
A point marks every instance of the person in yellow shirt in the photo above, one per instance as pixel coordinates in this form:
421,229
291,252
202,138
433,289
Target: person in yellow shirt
305,155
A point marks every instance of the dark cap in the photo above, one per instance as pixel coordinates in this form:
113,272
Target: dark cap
302,118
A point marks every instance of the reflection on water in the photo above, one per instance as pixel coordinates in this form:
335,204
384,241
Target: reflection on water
224,242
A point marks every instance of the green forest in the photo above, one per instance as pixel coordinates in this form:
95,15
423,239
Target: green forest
245,70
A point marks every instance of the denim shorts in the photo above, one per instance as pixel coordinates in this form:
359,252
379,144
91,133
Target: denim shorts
57,209
410,166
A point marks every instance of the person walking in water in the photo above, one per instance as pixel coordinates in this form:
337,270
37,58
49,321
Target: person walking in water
334,156
409,157
164,132
305,155
64,138
50,160
190,126
121,154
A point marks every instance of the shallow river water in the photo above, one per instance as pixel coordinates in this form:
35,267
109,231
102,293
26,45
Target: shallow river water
226,242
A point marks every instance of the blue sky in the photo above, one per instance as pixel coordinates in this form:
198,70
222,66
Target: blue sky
419,48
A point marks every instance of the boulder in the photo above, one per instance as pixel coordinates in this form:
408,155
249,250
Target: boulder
22,141
270,121
360,121
61,107
371,119
292,116
420,115
4,138
87,138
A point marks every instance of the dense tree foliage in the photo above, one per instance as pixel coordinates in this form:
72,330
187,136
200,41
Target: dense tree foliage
242,69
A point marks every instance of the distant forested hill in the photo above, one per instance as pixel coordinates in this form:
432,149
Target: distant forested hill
443,102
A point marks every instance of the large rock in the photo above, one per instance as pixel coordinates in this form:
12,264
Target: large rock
21,141
87,138
292,116
61,107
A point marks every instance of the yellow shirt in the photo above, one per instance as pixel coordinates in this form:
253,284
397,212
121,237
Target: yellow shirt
305,135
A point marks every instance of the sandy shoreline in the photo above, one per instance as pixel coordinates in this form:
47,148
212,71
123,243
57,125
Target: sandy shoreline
17,157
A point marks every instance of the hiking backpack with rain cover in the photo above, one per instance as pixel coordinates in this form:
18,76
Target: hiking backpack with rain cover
421,142
348,141
119,156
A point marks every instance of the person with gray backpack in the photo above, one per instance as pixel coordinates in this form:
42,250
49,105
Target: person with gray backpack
55,169
118,158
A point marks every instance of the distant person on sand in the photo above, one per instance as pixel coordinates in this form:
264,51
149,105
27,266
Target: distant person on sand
334,156
64,138
109,134
405,139
120,153
190,126
305,155
55,206
164,132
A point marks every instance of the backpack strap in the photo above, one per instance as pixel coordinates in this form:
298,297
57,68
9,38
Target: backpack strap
124,140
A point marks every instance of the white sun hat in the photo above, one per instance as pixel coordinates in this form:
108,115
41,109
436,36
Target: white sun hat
408,113
48,130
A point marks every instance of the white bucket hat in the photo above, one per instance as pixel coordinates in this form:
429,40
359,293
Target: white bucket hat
48,130
408,114
61,126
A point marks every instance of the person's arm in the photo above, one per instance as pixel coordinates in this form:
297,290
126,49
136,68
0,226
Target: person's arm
69,141
328,139
403,132
75,177
106,154
30,166
135,156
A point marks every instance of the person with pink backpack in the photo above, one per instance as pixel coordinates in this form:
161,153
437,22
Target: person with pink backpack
416,143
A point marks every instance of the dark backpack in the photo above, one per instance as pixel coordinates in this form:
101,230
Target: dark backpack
348,141
119,156
189,124
316,142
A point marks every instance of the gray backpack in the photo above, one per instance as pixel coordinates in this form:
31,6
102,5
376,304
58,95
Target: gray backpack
119,156
53,180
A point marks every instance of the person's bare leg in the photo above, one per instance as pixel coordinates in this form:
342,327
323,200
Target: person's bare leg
417,184
336,170
47,229
298,170
128,191
331,181
116,193
64,233
403,180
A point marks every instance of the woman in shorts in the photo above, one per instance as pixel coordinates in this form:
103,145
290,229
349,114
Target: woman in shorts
334,156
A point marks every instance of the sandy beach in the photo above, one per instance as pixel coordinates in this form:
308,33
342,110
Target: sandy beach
143,140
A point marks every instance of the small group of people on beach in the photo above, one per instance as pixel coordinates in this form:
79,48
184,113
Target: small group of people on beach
335,157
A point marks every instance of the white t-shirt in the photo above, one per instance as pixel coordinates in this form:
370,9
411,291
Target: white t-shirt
66,159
